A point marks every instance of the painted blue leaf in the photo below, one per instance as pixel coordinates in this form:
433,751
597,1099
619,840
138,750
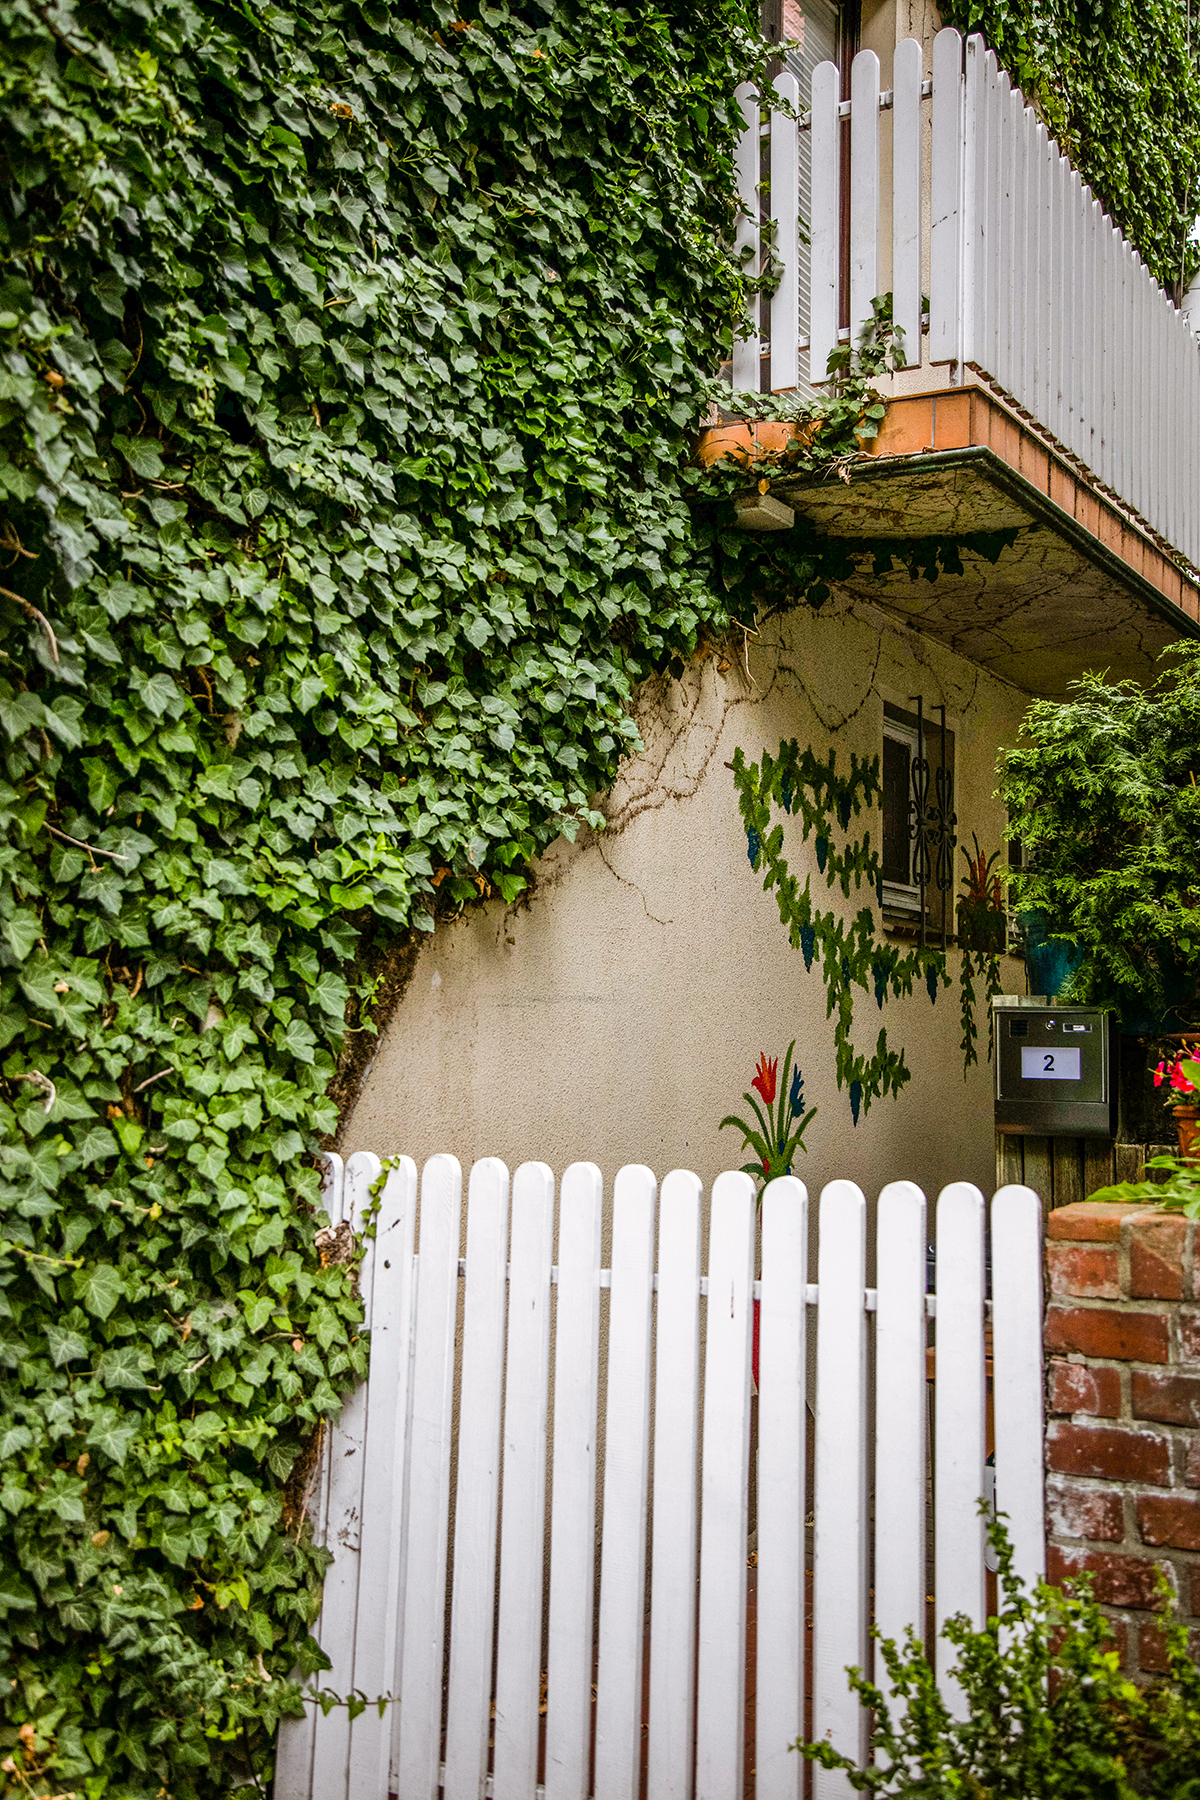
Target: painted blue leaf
752,845
855,1099
843,811
785,792
822,853
880,972
796,1093
879,892
931,982
808,941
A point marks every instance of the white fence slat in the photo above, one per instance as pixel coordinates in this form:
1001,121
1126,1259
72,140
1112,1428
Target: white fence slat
785,219
825,246
900,1411
1006,105
424,1577
523,1512
907,72
864,190
674,1523
945,230
376,1639
573,1493
473,1590
626,1475
973,213
747,239
839,1539
1062,267
1047,256
959,1422
986,215
347,1439
779,1683
1017,1384
1034,342
294,1754
724,1490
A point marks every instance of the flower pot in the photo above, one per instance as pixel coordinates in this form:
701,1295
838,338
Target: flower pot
1187,1123
981,927
745,440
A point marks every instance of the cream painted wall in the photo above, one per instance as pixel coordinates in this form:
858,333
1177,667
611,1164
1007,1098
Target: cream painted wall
616,1015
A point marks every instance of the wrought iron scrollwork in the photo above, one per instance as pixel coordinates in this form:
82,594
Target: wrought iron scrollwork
931,823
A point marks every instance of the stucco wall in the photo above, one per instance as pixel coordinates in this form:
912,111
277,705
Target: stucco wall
616,1015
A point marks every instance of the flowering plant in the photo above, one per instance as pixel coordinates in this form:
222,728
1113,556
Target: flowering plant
782,1127
1181,1076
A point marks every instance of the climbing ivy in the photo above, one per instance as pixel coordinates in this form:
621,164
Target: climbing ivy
1119,85
851,953
349,360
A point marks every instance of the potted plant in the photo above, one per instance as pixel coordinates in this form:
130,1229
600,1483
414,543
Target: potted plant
982,920
1181,1076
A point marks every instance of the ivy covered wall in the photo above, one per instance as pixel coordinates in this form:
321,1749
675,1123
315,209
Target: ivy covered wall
349,356
1118,82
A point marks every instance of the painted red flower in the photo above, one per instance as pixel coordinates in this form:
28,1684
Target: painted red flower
766,1077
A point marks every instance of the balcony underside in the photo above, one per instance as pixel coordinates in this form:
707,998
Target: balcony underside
1081,587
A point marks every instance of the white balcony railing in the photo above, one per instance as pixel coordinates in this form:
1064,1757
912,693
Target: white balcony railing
1032,290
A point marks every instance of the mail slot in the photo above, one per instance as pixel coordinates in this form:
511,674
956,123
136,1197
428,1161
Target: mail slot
1053,1068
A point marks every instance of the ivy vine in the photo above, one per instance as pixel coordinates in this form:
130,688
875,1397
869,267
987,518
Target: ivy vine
852,953
349,358
1119,84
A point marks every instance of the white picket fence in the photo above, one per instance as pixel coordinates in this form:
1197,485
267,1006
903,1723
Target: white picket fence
1030,284
673,1474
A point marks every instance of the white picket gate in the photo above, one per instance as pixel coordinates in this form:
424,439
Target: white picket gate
1030,284
670,1417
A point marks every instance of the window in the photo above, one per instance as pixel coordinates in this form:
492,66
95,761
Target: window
918,821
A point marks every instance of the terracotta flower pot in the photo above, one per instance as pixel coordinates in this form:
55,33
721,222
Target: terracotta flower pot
745,440
1187,1123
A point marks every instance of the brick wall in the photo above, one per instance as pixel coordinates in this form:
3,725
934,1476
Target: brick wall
1123,1413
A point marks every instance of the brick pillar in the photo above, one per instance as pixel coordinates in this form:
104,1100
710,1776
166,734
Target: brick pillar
1123,1410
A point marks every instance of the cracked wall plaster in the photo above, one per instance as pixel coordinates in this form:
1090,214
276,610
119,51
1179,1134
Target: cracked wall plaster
616,1014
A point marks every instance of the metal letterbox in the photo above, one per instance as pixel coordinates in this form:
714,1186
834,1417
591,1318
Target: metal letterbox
1054,1074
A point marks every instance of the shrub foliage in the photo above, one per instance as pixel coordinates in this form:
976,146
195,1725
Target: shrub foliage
349,355
1119,85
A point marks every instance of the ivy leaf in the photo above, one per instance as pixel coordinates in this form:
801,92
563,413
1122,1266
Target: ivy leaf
113,1433
121,1367
65,1345
144,455
99,1287
96,1145
16,1595
12,1439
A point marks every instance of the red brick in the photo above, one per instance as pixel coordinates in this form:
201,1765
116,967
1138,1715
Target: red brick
1170,1398
1088,1221
1103,1331
1152,1651
1075,1388
1189,1334
1191,1462
1084,1271
1118,1580
1085,1512
1156,1245
1114,1452
1169,1519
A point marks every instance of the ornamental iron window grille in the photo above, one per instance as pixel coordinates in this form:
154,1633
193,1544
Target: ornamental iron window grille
919,820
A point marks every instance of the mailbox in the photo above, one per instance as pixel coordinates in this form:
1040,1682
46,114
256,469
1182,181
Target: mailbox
1054,1072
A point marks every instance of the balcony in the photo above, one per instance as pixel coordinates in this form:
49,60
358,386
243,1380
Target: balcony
1050,386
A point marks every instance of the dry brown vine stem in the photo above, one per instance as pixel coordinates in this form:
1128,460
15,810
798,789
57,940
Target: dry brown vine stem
38,1080
92,849
41,618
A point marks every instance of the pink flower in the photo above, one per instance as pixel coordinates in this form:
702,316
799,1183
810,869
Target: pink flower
1159,1074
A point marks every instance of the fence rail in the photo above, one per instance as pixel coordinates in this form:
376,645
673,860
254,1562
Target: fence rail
1029,283
673,1475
